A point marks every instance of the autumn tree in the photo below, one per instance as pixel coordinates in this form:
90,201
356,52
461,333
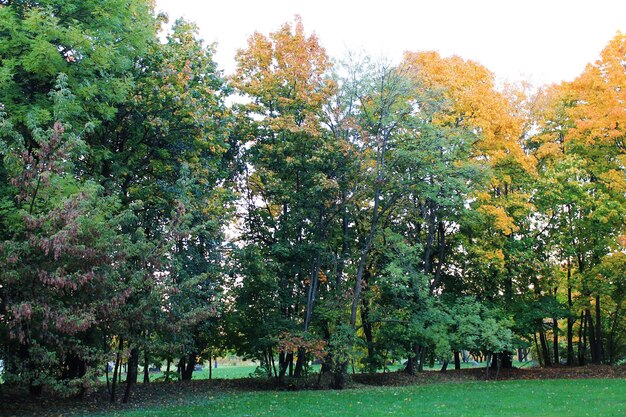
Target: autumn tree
580,148
290,187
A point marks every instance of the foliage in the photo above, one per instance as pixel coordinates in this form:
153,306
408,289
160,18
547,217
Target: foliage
355,212
62,261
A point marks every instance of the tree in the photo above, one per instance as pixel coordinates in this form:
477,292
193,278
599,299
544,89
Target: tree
62,258
171,157
476,118
95,44
290,186
151,141
581,148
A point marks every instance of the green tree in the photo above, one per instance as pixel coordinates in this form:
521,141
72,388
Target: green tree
62,258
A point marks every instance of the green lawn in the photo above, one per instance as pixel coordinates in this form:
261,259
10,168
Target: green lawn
585,397
244,371
226,372
221,372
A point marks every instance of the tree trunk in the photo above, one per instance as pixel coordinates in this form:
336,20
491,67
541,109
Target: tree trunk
366,248
441,238
180,367
359,278
188,366
167,369
591,335
522,355
265,361
420,366
146,367
131,375
75,368
133,366
271,357
106,373
344,243
555,340
339,376
430,237
545,351
570,319
283,364
582,339
614,336
369,337
599,343
300,363
412,362
505,360
498,364
312,293
410,365
570,330
538,350
118,360
457,361
210,367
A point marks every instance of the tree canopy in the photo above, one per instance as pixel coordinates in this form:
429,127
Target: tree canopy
354,212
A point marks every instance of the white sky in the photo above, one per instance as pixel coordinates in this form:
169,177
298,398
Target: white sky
543,41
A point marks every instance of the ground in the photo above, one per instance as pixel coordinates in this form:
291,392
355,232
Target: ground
595,386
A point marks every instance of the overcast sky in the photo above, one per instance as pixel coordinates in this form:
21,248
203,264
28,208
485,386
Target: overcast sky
543,41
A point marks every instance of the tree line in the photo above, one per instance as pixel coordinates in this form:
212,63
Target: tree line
355,211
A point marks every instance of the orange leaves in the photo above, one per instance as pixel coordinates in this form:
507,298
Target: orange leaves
586,118
474,103
549,150
501,220
495,121
600,111
614,180
285,74
291,343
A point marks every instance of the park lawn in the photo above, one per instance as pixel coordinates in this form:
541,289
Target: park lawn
464,365
582,397
245,371
226,372
221,372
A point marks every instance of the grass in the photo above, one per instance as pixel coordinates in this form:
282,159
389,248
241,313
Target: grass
221,372
226,372
583,397
464,365
245,371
